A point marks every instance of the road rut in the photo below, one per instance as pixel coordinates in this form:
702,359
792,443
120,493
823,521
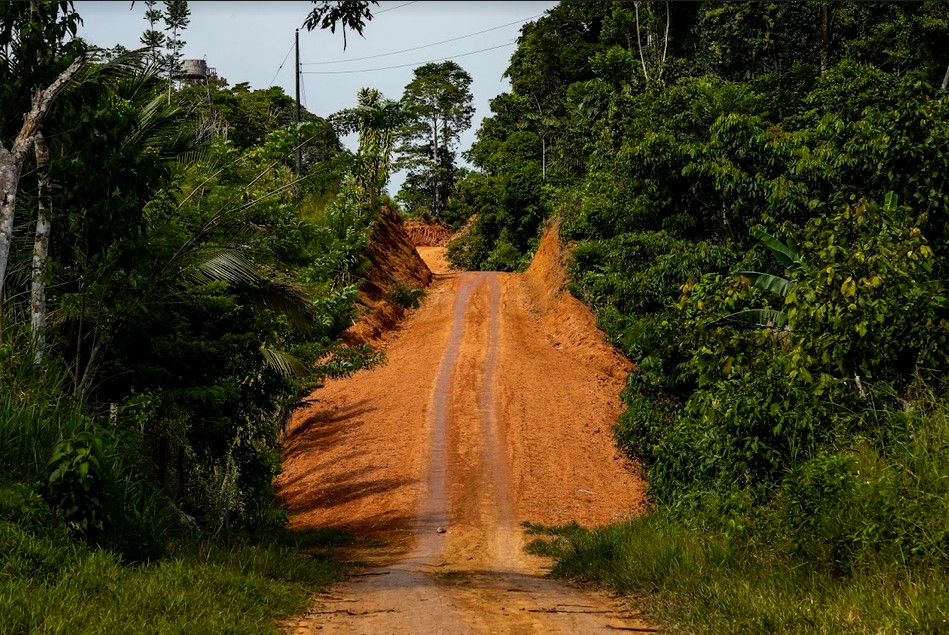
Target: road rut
484,416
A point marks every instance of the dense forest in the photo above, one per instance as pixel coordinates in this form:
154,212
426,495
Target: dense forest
757,198
756,201
178,260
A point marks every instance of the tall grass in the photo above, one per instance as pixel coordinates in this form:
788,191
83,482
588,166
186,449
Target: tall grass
30,427
693,582
88,544
853,541
50,584
108,501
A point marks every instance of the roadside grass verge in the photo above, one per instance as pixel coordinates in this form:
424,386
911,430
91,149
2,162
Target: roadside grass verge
89,544
852,540
691,582
49,583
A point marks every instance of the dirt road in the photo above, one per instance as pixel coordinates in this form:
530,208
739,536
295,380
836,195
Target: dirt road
494,407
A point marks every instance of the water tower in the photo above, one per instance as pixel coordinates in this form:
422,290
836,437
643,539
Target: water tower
194,70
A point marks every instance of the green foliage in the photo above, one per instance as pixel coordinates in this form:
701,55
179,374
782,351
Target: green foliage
76,480
509,204
405,296
376,120
350,15
437,107
193,287
57,468
50,584
868,304
758,220
852,540
697,583
176,17
38,43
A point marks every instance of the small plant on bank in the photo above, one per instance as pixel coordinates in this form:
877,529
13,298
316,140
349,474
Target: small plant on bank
406,296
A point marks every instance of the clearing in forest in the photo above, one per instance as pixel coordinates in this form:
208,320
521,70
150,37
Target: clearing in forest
494,407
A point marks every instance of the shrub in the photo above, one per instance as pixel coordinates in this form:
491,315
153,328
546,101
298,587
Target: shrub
405,296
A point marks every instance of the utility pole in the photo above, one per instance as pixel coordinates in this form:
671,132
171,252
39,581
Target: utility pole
297,118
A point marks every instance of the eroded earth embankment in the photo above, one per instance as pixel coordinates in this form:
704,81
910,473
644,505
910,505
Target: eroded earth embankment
495,407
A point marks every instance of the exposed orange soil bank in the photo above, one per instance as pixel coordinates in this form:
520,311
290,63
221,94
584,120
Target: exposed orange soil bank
495,407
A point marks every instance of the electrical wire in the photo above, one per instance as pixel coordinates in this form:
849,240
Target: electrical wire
387,68
286,57
424,46
394,8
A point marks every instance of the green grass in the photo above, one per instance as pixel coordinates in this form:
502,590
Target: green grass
100,549
854,540
691,582
51,584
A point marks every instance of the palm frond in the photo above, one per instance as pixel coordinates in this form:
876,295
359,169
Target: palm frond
283,362
788,257
285,299
223,265
261,290
767,318
125,65
768,282
159,128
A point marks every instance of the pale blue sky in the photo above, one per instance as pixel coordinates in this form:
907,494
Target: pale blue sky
249,41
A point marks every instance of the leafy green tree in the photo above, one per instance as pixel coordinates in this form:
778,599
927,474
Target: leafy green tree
245,117
38,63
349,14
438,104
507,199
152,38
376,120
177,15
191,292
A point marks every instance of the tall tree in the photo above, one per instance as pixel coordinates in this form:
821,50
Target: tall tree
438,103
177,16
648,40
152,38
375,119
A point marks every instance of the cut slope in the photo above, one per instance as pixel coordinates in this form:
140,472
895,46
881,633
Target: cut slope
567,322
425,234
393,260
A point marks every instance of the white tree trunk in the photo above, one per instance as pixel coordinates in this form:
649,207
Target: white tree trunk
639,42
436,211
10,166
945,80
543,157
665,47
40,249
11,161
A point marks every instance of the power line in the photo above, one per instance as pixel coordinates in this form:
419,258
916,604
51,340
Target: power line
394,8
416,48
387,68
286,57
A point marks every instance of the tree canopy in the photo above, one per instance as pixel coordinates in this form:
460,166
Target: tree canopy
438,105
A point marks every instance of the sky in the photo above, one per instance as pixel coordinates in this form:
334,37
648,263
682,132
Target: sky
253,42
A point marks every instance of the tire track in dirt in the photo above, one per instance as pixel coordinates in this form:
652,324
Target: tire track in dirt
512,429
